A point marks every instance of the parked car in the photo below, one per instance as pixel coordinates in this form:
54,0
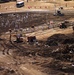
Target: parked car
19,3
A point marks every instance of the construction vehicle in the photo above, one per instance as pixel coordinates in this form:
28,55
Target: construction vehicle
58,13
19,38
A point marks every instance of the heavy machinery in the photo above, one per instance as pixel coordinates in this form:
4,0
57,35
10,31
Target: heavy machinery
58,13
19,38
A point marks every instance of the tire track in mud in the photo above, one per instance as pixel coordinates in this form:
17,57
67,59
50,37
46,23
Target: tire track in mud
28,70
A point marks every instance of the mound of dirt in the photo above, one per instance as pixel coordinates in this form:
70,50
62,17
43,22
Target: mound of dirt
68,41
56,39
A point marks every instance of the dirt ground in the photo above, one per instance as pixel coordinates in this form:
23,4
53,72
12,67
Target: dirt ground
32,5
39,59
52,54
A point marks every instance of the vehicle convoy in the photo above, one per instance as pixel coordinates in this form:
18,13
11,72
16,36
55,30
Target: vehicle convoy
19,3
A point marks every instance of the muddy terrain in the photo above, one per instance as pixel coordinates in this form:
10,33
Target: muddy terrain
51,54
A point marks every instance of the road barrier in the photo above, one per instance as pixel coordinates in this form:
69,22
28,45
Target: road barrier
38,7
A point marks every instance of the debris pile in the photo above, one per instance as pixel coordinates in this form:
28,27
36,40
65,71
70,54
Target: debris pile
56,39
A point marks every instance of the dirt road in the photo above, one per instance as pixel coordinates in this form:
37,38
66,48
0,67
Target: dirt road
42,35
11,6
